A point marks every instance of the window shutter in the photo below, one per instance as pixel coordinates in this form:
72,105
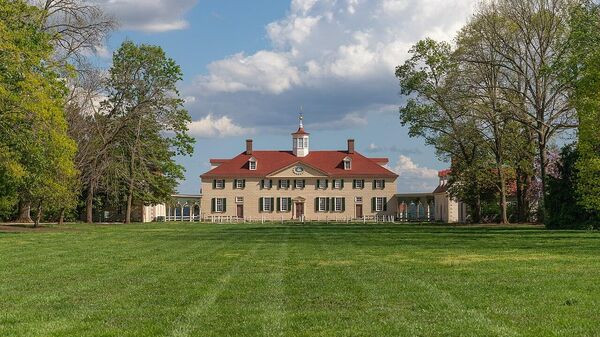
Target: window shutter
343,204
354,183
326,183
212,205
288,183
244,183
382,184
224,205
279,204
270,183
332,204
373,205
374,184
260,204
294,184
316,204
262,184
289,204
303,183
342,183
214,184
234,183
326,204
272,204
385,204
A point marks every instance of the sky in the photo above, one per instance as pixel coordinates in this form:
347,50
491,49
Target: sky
250,65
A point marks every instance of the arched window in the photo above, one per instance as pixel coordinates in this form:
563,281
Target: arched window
347,163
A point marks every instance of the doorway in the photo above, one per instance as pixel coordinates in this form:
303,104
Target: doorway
359,211
299,210
240,211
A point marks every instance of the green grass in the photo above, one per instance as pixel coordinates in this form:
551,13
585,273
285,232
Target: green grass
299,280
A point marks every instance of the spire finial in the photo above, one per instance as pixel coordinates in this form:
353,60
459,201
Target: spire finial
301,117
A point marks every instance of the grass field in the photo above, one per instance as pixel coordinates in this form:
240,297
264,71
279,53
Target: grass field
299,280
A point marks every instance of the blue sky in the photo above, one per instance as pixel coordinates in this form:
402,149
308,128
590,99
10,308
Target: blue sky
249,65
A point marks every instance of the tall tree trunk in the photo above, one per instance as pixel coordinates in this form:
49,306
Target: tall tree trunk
61,217
477,210
543,158
24,212
132,173
89,205
502,182
38,215
129,203
520,201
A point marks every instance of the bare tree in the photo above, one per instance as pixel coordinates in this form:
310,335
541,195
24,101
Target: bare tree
531,39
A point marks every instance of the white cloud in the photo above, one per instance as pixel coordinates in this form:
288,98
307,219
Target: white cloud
334,57
210,126
150,15
414,178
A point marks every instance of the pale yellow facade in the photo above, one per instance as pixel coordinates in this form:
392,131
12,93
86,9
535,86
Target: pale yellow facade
246,202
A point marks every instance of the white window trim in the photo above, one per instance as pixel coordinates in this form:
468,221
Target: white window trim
301,182
362,184
239,184
287,206
379,184
252,165
337,184
239,200
378,207
220,184
267,184
358,200
335,204
322,202
282,182
264,201
219,208
347,164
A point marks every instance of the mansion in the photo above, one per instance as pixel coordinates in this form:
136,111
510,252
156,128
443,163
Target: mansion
304,185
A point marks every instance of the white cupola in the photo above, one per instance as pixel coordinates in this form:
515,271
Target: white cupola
300,140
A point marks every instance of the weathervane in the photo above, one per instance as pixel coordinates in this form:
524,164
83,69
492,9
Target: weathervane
301,117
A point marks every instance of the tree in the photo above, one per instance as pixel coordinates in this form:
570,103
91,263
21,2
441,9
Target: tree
531,38
436,112
37,154
148,122
585,64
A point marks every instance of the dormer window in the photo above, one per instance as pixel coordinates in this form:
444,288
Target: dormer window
252,164
347,163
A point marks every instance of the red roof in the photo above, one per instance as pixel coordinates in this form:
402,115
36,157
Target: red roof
328,162
300,132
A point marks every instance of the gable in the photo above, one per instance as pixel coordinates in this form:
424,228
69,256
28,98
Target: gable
291,172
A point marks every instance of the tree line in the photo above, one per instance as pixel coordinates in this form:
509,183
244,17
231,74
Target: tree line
519,78
74,137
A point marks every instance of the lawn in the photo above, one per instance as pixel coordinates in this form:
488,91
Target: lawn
299,280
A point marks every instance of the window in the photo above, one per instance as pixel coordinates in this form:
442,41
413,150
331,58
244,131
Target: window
338,204
321,204
239,200
322,184
358,200
347,163
220,205
267,205
359,184
338,184
305,143
219,184
284,204
379,184
298,184
239,184
284,184
252,164
266,183
379,204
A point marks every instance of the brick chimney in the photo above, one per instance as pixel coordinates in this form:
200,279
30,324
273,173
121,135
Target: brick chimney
350,146
249,146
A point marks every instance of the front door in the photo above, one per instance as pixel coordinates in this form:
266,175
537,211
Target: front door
359,212
240,211
299,210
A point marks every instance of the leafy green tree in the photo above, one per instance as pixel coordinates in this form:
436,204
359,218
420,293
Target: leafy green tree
35,151
564,210
438,113
149,123
585,62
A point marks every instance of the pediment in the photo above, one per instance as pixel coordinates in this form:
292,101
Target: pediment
298,169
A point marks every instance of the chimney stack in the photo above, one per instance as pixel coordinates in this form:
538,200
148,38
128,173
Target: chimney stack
350,146
249,146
